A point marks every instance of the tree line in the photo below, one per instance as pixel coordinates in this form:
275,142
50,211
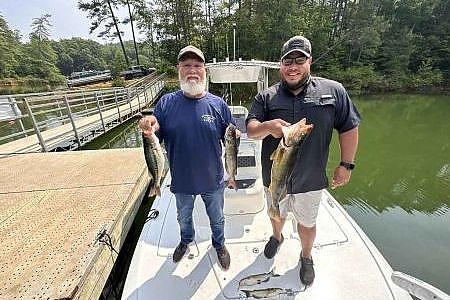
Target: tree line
369,45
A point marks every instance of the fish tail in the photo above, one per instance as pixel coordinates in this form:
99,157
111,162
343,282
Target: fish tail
273,274
274,212
152,192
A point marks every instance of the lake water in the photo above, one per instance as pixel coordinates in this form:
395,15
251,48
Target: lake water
399,193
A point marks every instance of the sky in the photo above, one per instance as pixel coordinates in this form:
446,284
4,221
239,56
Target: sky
67,20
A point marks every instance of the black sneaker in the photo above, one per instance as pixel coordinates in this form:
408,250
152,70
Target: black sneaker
224,257
306,270
179,252
272,246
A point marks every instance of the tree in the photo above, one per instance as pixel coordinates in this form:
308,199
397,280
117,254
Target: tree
9,50
102,13
39,58
78,54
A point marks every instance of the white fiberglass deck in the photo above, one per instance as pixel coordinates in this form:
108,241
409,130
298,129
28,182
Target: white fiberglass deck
347,264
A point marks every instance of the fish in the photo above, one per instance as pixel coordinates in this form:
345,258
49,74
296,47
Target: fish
231,153
284,159
154,158
264,293
257,278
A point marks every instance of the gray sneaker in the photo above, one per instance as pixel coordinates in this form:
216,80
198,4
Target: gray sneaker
306,270
179,252
224,257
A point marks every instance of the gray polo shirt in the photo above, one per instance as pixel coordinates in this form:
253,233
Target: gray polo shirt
324,103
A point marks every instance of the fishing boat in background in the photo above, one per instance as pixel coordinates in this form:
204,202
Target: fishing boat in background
87,77
347,263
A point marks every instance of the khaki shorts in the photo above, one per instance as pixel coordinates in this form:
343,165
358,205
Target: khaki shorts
304,206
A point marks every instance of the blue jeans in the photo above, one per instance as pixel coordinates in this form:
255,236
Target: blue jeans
214,208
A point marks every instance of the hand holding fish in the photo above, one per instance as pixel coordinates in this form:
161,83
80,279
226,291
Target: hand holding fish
341,177
148,125
275,127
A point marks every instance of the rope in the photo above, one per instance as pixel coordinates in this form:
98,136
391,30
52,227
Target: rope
153,214
105,238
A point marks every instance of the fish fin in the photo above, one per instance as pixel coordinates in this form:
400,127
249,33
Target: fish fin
158,191
277,153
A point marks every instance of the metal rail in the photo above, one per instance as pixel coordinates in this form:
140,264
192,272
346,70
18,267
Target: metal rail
66,120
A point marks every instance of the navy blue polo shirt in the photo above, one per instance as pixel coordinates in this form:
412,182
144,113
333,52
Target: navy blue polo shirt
192,131
324,103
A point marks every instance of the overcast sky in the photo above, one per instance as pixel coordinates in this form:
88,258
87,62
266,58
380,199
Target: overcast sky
67,20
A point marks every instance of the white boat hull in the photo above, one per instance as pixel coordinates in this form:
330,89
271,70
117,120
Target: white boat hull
347,264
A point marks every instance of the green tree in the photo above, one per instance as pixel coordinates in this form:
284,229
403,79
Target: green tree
102,13
9,50
78,54
39,58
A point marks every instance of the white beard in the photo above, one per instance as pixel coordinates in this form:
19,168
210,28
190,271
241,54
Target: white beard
191,87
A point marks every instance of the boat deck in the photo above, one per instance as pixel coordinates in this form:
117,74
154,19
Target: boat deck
58,212
348,265
198,276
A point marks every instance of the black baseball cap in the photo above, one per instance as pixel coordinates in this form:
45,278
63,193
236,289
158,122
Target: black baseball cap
296,43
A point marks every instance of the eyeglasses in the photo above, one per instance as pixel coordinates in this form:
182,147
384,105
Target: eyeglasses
298,60
194,66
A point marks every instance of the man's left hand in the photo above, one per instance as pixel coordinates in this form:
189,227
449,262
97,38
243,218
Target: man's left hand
341,177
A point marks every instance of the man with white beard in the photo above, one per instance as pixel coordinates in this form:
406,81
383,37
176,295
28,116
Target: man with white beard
192,123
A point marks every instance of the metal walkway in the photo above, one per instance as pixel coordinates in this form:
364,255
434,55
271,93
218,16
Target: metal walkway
67,120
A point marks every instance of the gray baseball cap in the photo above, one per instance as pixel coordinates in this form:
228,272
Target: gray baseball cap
296,43
191,49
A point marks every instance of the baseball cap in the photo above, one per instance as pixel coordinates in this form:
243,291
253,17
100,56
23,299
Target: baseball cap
296,43
191,49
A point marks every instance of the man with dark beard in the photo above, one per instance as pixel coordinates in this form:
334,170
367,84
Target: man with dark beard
325,104
192,124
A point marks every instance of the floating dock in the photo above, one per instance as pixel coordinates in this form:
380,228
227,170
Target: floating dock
63,219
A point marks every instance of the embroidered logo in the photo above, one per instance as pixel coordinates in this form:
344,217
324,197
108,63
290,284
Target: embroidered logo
208,118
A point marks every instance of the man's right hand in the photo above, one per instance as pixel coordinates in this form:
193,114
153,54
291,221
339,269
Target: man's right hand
148,125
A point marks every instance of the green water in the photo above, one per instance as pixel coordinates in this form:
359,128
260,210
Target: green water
399,193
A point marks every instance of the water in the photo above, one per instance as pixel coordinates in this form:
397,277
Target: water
399,192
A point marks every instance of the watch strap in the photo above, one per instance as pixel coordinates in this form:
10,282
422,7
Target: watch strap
347,165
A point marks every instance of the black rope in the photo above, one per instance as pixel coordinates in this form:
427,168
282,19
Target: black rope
105,238
153,214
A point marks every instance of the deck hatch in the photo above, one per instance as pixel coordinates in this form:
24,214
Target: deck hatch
246,161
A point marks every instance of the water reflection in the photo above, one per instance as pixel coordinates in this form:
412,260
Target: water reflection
125,136
403,156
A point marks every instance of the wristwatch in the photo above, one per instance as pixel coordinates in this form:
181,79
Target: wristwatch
347,165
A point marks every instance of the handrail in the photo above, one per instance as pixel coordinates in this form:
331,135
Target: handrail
97,111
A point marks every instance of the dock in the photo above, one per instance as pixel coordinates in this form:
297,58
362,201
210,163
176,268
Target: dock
63,219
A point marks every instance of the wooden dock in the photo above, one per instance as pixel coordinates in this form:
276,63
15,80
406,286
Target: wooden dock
58,213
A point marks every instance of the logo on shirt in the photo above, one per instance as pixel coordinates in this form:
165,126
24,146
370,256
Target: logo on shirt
208,118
